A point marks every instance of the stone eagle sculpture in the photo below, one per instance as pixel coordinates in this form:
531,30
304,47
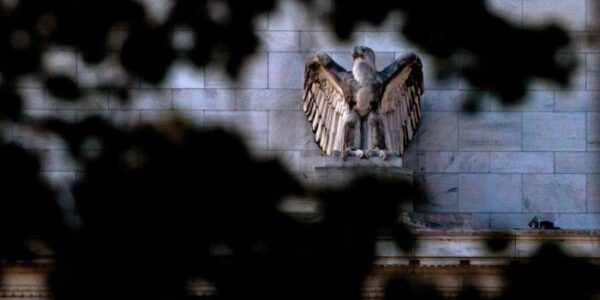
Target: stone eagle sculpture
363,112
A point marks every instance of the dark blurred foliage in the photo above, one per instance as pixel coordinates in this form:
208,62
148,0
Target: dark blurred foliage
29,213
499,241
498,56
402,288
552,274
161,206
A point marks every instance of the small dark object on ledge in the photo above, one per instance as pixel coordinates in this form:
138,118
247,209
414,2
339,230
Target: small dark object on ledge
536,224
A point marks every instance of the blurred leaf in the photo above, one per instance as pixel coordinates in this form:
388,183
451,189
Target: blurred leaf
11,104
147,53
63,87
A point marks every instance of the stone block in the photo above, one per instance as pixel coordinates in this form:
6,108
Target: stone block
512,10
345,59
554,131
279,41
577,162
29,81
182,39
253,74
585,42
109,72
299,161
554,193
567,13
259,99
62,114
579,222
410,159
593,193
454,220
453,162
479,221
387,248
57,160
120,118
204,99
194,117
490,131
60,63
286,70
592,62
388,41
158,116
30,138
62,182
383,59
252,125
33,98
521,162
337,173
490,193
580,246
456,248
311,41
442,193
293,15
505,221
534,101
182,76
592,12
576,101
438,131
289,130
144,99
578,78
261,21
158,11
443,100
92,99
592,81
592,131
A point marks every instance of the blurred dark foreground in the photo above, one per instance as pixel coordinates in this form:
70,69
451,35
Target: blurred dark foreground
166,209
162,206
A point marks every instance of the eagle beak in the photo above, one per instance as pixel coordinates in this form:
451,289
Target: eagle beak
356,52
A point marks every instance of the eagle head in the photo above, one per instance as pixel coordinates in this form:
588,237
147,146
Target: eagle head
364,54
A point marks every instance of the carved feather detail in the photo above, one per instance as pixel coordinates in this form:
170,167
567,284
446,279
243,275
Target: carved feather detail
400,104
324,103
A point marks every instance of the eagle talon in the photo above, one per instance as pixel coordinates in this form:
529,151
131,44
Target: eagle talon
383,154
378,152
360,154
352,152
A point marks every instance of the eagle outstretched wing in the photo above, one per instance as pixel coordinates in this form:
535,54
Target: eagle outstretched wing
326,96
400,105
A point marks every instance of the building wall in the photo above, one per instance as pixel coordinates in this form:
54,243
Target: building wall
493,169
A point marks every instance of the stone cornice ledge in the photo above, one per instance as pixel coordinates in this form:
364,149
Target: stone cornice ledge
517,233
469,247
